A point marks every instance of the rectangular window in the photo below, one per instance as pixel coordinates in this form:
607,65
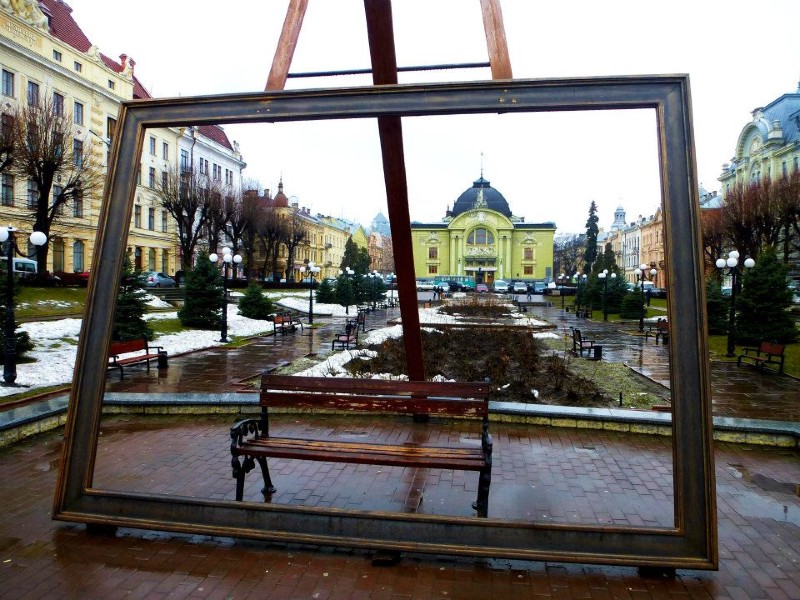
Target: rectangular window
56,55
151,179
77,256
432,269
151,259
783,169
164,180
217,172
57,191
58,104
111,126
433,253
7,191
165,150
77,114
152,146
8,83
164,221
796,162
111,84
151,218
77,205
78,66
33,93
528,253
33,194
185,166
137,215
165,261
528,270
77,153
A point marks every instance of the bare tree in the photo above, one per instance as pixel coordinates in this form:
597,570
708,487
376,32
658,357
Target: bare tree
187,197
567,250
295,231
712,224
221,202
271,234
47,153
387,258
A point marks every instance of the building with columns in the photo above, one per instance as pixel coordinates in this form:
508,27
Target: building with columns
482,239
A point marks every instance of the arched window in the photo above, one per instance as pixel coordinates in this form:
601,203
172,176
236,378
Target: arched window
480,237
77,256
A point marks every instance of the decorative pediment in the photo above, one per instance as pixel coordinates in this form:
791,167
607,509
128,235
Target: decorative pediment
28,11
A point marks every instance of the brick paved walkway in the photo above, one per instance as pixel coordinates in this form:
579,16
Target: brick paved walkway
759,522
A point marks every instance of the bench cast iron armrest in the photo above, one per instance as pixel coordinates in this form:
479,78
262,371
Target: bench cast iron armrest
749,350
243,428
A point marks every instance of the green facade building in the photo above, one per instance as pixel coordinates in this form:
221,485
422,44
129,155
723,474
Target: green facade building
481,238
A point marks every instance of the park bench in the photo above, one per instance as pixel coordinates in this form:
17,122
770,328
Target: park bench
348,337
660,329
361,320
117,349
285,322
767,353
579,343
252,442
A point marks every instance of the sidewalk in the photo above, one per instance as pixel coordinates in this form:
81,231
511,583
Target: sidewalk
541,473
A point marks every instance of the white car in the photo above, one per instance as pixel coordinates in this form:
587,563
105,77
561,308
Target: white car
424,286
500,286
520,288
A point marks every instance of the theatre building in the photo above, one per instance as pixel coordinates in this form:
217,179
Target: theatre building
482,239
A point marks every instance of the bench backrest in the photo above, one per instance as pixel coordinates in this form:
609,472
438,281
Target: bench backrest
377,395
771,348
282,319
127,346
576,333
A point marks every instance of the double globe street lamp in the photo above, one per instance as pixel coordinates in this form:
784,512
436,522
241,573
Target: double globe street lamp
374,285
10,349
604,277
312,270
347,272
735,272
642,275
227,258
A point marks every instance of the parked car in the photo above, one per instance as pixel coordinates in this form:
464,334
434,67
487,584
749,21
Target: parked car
539,287
424,286
156,279
520,287
500,286
482,288
80,279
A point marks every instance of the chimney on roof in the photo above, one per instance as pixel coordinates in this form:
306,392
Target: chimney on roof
127,64
266,193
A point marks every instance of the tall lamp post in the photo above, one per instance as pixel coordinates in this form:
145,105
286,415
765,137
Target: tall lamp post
374,275
732,264
642,275
312,269
227,258
604,277
10,350
562,279
348,272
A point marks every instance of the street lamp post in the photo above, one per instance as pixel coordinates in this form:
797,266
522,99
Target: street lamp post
10,350
562,279
642,275
732,264
374,276
227,259
312,270
348,272
604,277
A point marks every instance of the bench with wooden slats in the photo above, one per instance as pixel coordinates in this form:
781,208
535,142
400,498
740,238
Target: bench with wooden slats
252,443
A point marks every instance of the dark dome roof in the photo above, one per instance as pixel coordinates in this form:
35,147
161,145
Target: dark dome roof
481,195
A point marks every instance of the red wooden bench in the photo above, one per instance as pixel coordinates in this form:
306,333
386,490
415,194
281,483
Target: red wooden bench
284,323
252,442
767,353
660,330
579,343
117,349
347,338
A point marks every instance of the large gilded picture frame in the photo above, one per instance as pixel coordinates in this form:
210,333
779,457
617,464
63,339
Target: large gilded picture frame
691,543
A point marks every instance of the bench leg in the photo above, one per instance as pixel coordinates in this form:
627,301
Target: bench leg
268,487
481,505
239,471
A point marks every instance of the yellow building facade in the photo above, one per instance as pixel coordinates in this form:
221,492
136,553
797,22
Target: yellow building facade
480,238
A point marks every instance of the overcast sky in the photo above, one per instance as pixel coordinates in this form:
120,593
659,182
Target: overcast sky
549,167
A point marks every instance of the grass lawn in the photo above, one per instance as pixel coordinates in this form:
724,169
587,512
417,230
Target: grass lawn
33,302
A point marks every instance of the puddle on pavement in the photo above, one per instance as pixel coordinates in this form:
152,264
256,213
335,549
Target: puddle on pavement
768,484
753,503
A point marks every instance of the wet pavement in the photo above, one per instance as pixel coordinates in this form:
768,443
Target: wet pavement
541,474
